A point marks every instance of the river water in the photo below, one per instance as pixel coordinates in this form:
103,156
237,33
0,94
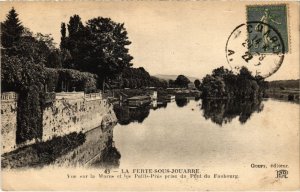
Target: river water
221,139
205,134
186,133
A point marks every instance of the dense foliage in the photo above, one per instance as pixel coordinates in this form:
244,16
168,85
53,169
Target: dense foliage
98,47
197,83
22,71
21,75
18,40
182,81
91,55
23,60
58,80
223,83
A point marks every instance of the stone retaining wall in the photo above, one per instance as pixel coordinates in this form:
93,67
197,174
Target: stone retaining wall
68,113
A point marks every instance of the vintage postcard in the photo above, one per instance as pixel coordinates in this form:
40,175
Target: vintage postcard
150,95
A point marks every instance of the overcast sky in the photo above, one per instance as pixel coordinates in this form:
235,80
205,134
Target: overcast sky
167,37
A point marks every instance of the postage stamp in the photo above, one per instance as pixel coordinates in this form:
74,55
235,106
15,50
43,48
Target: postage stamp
257,46
273,15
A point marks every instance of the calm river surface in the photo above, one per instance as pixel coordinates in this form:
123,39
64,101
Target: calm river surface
205,134
213,135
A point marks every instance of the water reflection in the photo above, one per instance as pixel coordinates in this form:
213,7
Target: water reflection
98,150
219,111
110,156
181,102
96,147
158,104
190,136
223,111
126,114
162,104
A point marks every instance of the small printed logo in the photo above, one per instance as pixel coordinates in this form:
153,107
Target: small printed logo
282,173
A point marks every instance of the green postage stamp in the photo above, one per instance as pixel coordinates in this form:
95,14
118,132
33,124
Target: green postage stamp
273,15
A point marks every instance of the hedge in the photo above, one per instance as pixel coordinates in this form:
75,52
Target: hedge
65,79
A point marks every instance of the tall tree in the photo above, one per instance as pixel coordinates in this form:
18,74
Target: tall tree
108,41
11,29
75,26
19,41
63,35
74,45
99,47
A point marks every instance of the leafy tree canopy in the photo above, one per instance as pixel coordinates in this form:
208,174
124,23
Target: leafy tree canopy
182,81
197,83
222,83
98,47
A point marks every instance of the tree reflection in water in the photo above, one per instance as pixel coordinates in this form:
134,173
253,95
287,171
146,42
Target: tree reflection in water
219,111
223,111
181,102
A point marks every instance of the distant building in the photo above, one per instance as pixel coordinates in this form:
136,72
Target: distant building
153,94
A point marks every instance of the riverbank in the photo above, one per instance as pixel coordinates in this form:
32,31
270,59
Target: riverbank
117,94
287,94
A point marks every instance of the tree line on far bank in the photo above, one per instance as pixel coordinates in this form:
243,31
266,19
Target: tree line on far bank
223,83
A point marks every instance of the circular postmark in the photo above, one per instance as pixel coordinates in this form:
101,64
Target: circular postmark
257,46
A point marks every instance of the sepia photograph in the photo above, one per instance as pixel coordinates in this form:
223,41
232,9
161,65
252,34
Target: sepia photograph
150,95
